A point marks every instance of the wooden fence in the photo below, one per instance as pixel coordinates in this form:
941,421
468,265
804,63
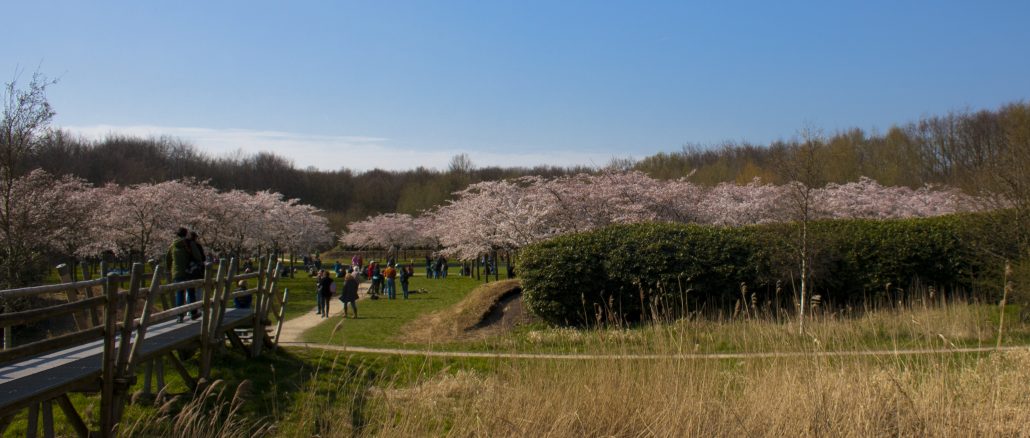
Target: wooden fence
122,322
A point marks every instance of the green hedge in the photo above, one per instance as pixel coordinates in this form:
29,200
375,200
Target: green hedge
632,270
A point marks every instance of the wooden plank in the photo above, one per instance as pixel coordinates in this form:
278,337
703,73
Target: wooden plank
171,287
65,272
235,340
282,314
72,416
205,323
159,371
49,288
124,347
45,377
94,315
241,293
33,428
33,315
48,418
176,311
246,275
148,377
52,344
5,422
109,363
226,292
259,304
141,332
181,369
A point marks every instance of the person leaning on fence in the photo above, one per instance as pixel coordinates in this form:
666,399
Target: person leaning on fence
178,260
349,294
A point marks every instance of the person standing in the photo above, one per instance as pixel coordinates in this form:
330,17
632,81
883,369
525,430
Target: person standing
178,259
349,294
323,292
377,279
405,274
195,268
390,273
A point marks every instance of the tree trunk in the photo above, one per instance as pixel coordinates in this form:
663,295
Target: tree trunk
804,276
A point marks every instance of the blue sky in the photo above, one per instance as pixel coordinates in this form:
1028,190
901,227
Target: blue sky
395,84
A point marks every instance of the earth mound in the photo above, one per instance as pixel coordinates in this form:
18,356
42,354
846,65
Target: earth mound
489,309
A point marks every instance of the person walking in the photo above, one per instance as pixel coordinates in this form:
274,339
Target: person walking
349,294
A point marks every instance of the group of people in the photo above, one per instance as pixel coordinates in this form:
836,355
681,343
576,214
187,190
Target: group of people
325,287
384,281
436,268
185,259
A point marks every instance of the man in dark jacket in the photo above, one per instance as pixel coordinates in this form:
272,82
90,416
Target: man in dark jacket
178,260
195,268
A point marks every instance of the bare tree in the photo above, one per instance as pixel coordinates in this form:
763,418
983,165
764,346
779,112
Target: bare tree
26,118
801,166
461,164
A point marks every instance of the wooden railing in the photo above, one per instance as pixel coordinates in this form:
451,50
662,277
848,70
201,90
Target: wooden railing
114,323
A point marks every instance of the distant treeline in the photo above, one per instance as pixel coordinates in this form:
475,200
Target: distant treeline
950,149
345,195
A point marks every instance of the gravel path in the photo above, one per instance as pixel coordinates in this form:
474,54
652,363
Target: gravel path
293,329
710,356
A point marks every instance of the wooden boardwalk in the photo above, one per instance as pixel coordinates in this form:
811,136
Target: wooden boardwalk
118,331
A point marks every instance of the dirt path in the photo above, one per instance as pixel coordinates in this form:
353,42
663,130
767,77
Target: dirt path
294,328
710,356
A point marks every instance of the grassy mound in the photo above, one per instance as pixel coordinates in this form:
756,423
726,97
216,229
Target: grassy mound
488,309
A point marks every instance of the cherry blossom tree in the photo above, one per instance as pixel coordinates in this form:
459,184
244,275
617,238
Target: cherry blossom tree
44,216
142,219
390,231
509,214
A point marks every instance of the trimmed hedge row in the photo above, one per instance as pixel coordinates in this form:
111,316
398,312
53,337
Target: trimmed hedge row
628,270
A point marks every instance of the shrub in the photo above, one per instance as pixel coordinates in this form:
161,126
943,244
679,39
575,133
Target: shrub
632,272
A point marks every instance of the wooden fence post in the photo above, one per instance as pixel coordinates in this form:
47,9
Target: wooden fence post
225,289
210,318
65,273
109,360
94,316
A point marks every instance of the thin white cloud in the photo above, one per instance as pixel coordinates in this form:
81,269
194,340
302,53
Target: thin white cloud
324,152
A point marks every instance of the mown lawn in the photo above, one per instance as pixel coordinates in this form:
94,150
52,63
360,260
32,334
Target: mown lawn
380,321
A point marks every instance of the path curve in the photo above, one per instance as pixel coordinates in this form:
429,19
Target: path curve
294,328
695,356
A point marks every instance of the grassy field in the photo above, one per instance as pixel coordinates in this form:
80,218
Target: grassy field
380,321
298,392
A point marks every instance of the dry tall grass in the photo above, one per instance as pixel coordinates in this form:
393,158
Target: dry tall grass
944,394
936,396
900,395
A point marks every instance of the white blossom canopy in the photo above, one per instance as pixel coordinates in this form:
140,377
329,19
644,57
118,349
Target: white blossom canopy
512,213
